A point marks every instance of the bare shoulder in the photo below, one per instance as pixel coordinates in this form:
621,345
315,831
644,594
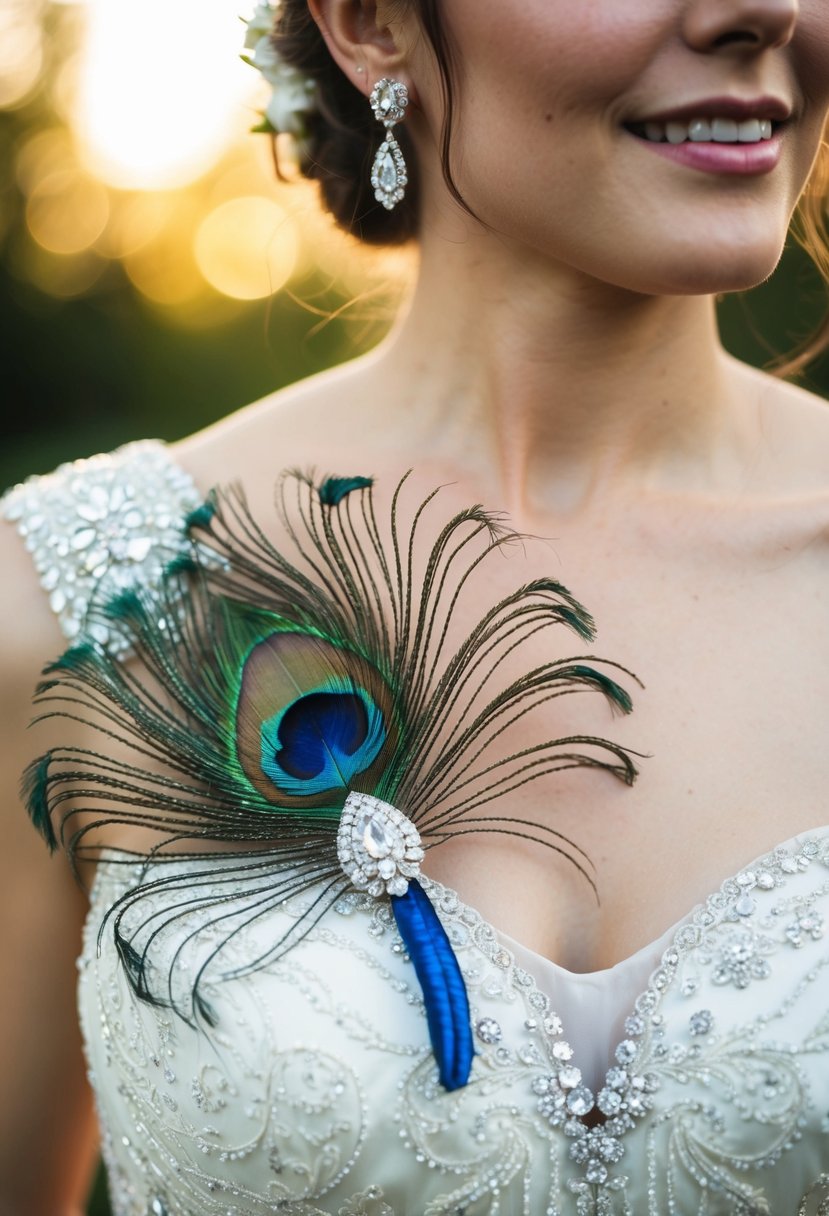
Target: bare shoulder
794,432
327,422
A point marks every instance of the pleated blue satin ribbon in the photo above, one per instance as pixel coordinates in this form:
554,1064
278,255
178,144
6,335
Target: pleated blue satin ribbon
444,990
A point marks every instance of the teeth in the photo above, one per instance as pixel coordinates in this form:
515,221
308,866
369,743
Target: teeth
699,131
705,130
724,131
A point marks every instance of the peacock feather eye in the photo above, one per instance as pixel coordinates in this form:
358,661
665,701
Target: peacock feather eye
311,706
313,720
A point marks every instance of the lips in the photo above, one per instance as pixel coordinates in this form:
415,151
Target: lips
761,109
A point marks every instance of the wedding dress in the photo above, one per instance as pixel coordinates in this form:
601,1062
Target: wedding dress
692,1079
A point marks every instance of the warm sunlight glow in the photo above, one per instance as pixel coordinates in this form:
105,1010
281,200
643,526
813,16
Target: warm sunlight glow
161,262
247,248
67,211
162,89
21,51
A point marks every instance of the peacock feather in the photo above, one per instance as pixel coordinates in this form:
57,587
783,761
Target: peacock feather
307,719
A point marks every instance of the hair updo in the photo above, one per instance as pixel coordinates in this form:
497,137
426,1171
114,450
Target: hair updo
343,135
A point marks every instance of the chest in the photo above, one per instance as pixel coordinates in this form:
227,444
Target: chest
729,638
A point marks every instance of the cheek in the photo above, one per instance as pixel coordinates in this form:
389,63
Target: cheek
540,92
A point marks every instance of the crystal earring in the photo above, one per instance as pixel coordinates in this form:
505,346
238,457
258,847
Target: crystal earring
389,99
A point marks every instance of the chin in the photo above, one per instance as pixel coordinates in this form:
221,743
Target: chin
719,268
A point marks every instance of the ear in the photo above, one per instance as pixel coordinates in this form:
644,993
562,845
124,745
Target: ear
362,40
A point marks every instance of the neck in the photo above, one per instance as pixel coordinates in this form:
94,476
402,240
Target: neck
557,385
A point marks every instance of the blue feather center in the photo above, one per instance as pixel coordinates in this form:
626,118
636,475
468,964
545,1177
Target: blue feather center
322,740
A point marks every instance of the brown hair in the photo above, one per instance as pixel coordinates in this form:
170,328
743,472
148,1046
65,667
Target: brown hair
343,137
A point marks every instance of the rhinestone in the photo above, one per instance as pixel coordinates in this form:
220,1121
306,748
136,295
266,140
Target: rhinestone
745,905
617,1078
551,1106
389,99
626,1051
375,839
610,1149
157,1208
575,1129
701,1022
595,1171
580,1100
609,1101
488,1030
569,1077
634,1025
765,880
387,172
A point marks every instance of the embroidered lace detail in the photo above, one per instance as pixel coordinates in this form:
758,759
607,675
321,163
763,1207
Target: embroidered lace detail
98,526
318,1093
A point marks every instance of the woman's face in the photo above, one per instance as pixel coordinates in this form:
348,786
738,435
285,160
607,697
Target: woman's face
562,140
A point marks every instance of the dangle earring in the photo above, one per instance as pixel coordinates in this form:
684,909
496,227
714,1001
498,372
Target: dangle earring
389,99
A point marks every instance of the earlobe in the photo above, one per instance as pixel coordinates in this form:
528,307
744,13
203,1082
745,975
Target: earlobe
358,39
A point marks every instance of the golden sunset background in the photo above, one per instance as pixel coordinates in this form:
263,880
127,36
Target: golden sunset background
154,274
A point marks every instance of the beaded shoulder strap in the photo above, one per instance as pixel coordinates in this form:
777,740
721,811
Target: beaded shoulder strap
98,526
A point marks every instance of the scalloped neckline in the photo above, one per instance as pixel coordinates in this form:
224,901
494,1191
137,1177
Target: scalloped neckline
652,993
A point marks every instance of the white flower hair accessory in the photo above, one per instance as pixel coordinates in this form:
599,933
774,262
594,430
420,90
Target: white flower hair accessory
294,95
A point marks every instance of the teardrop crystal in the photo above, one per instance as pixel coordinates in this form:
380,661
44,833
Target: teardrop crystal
375,839
387,172
386,100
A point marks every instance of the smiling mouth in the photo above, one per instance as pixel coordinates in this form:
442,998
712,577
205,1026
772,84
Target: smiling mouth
707,130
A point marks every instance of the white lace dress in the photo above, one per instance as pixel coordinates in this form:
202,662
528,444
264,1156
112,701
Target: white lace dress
690,1080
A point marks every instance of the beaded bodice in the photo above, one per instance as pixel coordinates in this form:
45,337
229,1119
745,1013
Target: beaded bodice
316,1093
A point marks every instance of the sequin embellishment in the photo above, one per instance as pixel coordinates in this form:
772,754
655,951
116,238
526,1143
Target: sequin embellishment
98,526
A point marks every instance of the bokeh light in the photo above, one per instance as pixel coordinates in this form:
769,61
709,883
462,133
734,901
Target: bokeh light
67,211
247,247
160,89
162,267
21,50
141,158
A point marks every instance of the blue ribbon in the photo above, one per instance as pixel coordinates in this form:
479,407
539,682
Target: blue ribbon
444,990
